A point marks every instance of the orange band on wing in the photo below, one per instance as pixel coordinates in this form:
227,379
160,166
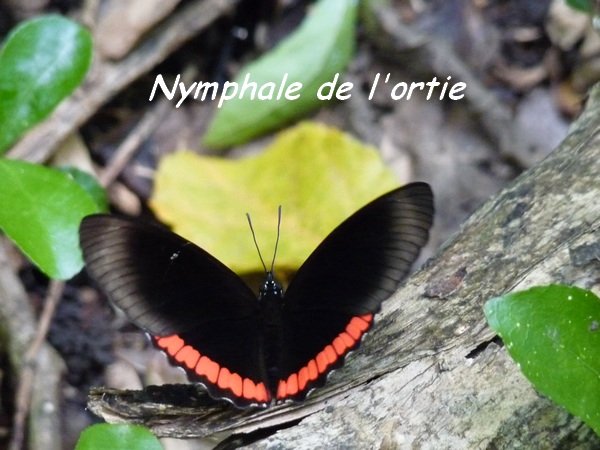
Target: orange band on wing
326,358
201,365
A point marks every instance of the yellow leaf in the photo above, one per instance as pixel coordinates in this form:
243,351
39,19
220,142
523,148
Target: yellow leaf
318,174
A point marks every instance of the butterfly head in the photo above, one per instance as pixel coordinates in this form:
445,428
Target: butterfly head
270,288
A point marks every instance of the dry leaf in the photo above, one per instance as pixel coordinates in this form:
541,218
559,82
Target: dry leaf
318,174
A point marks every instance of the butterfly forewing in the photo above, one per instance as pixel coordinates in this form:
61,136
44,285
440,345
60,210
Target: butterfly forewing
171,288
330,303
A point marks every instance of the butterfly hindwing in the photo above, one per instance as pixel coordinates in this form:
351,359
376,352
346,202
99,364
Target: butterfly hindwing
330,303
200,313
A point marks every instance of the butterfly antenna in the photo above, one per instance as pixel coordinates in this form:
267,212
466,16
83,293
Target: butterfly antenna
277,240
255,243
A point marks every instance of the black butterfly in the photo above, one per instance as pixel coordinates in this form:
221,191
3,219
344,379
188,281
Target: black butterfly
276,348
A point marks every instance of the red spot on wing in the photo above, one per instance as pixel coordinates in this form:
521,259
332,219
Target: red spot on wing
348,340
363,322
210,369
292,384
235,384
282,389
303,378
170,344
219,380
330,354
188,357
313,371
321,362
262,395
249,389
339,346
324,361
223,380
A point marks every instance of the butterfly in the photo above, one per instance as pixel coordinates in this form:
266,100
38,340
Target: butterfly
277,347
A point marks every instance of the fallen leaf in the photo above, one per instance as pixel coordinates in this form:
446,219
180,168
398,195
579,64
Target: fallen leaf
319,49
318,174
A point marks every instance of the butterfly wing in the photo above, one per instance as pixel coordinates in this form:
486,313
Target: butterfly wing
330,303
197,310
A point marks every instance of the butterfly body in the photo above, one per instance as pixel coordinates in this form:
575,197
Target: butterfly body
271,303
254,351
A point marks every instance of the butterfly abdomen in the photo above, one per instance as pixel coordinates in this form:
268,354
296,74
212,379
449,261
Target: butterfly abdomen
271,324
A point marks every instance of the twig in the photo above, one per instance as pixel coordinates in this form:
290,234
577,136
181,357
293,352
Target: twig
132,142
143,129
23,395
18,327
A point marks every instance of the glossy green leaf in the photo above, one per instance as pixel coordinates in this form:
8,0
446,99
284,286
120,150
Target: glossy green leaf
320,48
105,436
90,184
581,5
42,61
318,175
40,210
553,333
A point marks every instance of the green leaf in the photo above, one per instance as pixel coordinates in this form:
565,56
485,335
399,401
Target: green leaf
318,174
581,5
105,436
42,62
40,210
553,333
320,48
90,184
